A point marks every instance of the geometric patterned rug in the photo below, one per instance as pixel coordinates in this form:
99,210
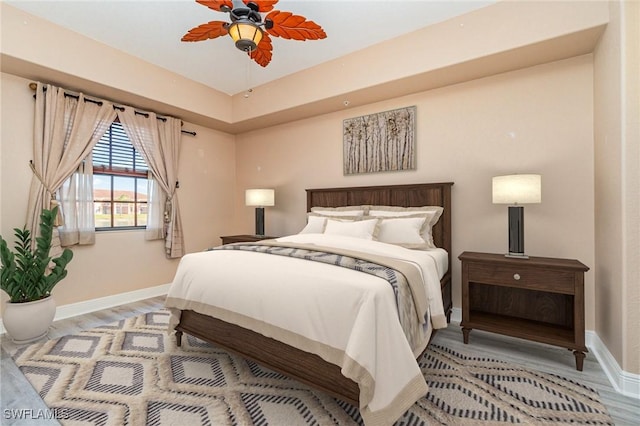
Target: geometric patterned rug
132,373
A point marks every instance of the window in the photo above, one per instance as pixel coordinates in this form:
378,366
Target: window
120,192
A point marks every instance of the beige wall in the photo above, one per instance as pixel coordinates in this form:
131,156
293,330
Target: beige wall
631,339
537,120
617,184
32,46
120,261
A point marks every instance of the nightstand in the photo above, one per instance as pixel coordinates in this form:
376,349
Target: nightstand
244,238
539,299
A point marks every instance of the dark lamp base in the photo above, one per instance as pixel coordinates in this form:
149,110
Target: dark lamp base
260,221
516,231
517,255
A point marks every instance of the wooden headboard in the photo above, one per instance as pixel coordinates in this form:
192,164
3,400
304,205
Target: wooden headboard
412,195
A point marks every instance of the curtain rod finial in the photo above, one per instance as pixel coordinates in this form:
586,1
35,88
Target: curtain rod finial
33,86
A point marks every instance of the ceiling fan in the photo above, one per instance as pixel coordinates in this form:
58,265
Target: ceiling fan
248,30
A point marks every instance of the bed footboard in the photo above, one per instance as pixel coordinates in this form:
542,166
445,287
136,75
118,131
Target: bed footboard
303,366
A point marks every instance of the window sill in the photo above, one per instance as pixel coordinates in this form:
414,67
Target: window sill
121,229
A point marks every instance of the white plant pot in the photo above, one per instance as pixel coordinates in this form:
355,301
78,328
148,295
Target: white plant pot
30,321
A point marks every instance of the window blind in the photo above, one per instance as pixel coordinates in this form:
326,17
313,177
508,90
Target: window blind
114,152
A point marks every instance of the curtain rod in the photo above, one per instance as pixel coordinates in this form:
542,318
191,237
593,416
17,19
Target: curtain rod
34,86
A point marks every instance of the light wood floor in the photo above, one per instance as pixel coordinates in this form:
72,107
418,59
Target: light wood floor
17,394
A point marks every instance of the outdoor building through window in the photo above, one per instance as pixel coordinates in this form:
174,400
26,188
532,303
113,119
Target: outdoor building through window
120,185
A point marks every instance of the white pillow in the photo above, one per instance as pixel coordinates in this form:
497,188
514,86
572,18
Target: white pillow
392,211
405,211
316,222
315,225
339,211
365,229
404,231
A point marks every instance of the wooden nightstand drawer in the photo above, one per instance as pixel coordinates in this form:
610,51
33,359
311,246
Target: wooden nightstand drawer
555,281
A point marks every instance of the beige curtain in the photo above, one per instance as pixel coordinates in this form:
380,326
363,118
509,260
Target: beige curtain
158,141
65,131
155,213
76,199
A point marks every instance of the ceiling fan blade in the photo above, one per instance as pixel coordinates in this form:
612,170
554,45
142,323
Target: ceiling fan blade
263,53
216,4
264,5
293,27
206,31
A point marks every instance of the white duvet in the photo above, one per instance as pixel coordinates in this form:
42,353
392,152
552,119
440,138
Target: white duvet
347,317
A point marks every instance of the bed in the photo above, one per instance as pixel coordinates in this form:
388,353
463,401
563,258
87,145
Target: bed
305,365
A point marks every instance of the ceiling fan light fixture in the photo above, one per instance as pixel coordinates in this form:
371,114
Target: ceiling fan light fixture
249,32
246,34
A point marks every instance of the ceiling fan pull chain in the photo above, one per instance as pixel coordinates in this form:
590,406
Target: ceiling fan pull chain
248,76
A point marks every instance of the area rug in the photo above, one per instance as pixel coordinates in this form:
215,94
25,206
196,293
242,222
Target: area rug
132,373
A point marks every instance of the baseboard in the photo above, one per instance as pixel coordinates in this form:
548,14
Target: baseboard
80,308
623,382
456,315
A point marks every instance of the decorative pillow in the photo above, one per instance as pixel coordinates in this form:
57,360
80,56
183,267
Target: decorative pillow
405,231
339,211
394,211
365,229
316,222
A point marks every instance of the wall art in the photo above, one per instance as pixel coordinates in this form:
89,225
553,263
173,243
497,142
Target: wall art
380,142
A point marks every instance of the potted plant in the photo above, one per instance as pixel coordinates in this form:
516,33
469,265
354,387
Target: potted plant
28,277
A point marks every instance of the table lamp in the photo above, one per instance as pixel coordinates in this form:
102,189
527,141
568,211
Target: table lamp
515,190
260,198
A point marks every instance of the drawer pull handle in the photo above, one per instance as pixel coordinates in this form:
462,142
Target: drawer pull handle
516,277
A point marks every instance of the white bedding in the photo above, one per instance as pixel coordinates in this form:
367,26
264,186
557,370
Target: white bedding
347,317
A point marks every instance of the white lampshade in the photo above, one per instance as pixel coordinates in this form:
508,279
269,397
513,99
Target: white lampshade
259,197
517,189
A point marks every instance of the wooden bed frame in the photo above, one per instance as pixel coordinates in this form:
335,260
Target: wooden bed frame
303,366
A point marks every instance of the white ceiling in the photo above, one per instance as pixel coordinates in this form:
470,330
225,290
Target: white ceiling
151,30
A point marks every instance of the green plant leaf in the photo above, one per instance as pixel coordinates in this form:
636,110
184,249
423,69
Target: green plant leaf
25,274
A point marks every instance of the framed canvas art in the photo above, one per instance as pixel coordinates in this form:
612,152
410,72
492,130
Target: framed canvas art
380,142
